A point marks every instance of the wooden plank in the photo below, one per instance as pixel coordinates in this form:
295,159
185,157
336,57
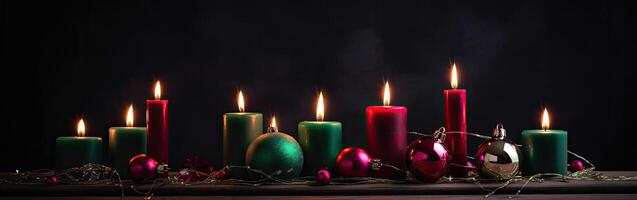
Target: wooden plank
547,187
381,197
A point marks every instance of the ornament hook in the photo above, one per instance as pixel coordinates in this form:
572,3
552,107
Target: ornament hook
439,135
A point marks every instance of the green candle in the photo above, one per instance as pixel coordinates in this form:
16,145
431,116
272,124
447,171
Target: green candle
544,151
124,143
239,130
321,142
77,151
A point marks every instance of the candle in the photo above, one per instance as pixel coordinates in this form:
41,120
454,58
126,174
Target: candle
387,136
320,141
544,151
157,125
239,130
79,150
124,143
456,121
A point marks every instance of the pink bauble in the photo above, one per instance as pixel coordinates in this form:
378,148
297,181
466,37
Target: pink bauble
427,160
352,162
52,180
576,165
323,177
142,167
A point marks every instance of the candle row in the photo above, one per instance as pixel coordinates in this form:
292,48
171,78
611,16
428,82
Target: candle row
123,143
321,141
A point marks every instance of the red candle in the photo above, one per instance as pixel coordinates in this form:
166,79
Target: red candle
387,136
157,125
456,121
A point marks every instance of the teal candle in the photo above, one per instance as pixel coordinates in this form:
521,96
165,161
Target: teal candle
239,130
77,151
321,141
124,143
544,151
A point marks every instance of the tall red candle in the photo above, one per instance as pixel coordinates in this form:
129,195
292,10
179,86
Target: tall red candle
456,121
157,127
387,136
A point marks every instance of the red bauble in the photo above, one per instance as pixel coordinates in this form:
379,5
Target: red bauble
352,162
221,174
576,165
52,180
427,159
323,177
142,167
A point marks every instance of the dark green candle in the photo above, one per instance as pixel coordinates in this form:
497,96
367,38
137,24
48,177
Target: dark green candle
77,151
321,141
124,143
544,151
239,130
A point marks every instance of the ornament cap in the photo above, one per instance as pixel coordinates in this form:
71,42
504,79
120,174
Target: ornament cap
499,133
439,135
376,164
162,168
272,129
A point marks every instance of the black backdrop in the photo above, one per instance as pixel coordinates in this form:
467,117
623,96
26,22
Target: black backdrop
65,60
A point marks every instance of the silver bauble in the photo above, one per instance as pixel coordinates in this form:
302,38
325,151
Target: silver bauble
498,158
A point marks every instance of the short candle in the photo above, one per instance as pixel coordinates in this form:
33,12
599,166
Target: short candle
544,151
320,140
125,143
387,136
239,130
79,150
157,125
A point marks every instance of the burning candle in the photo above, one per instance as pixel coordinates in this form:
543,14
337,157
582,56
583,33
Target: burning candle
239,130
79,150
456,121
126,142
320,141
157,125
545,150
387,135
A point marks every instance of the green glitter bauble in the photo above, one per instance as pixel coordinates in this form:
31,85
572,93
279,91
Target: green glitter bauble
272,152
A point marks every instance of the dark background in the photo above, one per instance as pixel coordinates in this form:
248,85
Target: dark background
66,60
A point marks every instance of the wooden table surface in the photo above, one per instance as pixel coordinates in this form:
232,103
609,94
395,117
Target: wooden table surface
547,189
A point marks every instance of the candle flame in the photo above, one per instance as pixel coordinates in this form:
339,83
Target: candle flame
81,128
157,91
241,102
129,116
545,120
454,77
273,122
320,108
386,95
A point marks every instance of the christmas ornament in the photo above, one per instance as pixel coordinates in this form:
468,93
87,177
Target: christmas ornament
428,158
576,165
220,175
498,157
142,167
52,180
352,162
471,169
323,177
196,169
275,153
